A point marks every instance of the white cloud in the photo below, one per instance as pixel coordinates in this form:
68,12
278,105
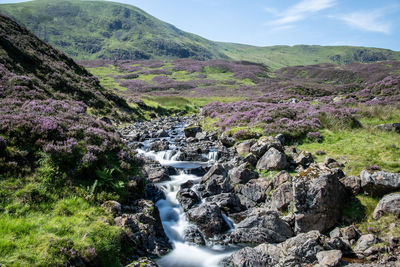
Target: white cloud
299,11
367,20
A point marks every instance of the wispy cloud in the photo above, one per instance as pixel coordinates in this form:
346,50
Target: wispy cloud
373,21
297,12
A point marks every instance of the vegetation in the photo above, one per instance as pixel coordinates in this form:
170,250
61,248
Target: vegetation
106,30
60,158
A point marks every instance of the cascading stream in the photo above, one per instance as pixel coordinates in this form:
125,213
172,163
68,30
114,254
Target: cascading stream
172,215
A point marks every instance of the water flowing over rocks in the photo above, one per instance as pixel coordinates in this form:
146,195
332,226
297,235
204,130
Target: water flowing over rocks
211,204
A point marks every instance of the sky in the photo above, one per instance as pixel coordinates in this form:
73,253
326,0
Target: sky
371,23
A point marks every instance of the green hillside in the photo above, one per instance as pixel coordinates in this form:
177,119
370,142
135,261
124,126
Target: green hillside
108,30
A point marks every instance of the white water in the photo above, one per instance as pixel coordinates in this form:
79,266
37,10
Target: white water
173,218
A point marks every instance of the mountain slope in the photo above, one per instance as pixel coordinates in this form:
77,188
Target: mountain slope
100,29
107,30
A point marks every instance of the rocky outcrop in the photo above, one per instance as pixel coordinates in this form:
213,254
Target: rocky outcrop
208,218
389,204
379,183
318,199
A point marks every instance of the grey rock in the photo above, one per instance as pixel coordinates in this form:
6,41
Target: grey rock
390,127
227,141
193,235
273,159
352,184
263,145
228,202
330,258
242,174
379,183
188,198
160,145
243,148
255,189
318,199
304,159
282,197
281,178
265,226
365,242
389,204
208,218
191,131
156,173
332,163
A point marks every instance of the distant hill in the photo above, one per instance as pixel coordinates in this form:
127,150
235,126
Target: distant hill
108,30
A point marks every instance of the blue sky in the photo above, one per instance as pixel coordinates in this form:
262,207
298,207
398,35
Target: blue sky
372,23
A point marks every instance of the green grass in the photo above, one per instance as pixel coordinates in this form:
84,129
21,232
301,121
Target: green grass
359,148
104,76
37,238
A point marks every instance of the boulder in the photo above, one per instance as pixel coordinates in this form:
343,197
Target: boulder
215,181
191,131
318,199
304,159
201,136
352,184
296,251
364,243
242,174
188,198
228,202
330,258
263,145
226,141
379,183
193,235
208,218
153,193
255,189
144,229
159,145
157,174
332,163
261,227
160,133
282,197
273,159
390,127
389,204
281,178
243,148
216,169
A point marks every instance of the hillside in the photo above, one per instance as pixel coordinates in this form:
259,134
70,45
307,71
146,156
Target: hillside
107,30
60,157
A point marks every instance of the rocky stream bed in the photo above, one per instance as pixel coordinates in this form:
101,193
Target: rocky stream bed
213,202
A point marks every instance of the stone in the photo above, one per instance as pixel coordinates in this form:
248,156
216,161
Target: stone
242,174
263,145
255,189
332,163
389,204
330,258
243,148
273,159
208,218
188,198
159,145
261,227
144,229
282,197
318,199
352,184
226,141
379,183
281,178
193,235
161,133
304,159
390,127
191,131
153,193
143,262
280,138
201,136
228,202
365,242
113,207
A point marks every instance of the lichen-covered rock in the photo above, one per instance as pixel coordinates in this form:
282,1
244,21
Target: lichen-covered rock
113,207
318,199
379,183
208,218
263,145
254,190
352,184
273,159
389,204
304,159
282,197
